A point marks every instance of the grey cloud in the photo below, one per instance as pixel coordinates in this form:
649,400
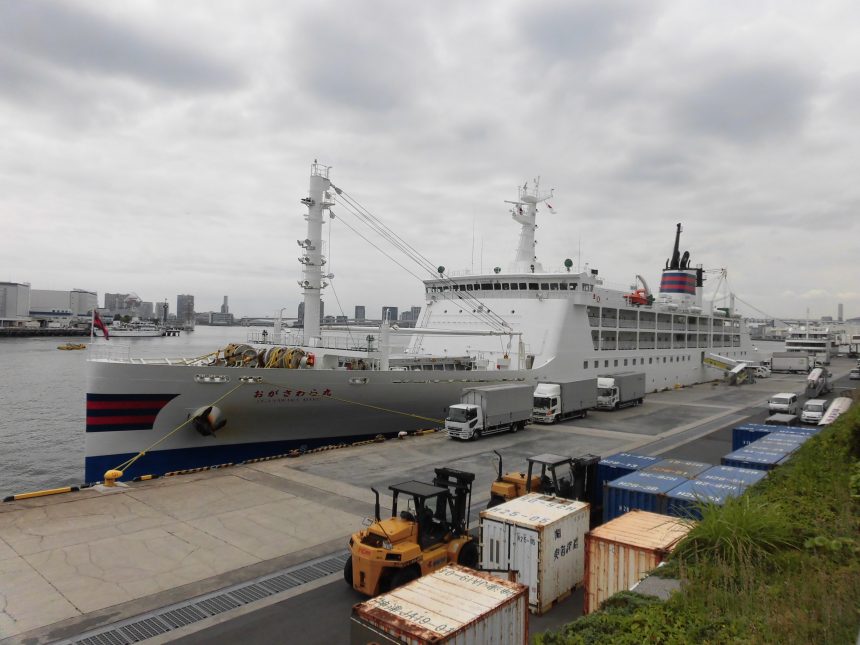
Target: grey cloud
659,166
364,62
750,104
82,42
581,31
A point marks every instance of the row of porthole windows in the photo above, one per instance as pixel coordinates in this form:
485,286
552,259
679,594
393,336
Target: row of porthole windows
511,286
672,359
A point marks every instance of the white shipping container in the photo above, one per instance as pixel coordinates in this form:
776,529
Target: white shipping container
540,537
452,606
621,552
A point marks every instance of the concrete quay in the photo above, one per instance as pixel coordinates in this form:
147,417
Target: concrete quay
81,561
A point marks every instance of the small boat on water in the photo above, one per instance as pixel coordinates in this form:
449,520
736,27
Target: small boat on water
68,346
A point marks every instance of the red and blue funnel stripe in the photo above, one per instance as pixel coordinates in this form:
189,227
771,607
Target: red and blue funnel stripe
678,282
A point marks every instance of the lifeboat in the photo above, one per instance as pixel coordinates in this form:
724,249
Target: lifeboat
638,297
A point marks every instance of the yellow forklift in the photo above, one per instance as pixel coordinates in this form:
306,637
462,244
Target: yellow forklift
429,533
568,477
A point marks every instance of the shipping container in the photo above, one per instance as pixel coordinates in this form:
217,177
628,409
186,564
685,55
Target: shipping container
684,500
731,475
779,441
621,553
454,605
639,490
749,432
618,465
678,467
755,458
542,539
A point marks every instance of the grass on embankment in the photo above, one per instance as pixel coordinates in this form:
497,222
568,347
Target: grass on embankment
779,565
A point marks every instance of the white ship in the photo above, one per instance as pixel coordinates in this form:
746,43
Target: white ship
525,324
135,329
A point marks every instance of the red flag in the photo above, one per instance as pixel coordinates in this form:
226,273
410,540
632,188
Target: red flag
98,323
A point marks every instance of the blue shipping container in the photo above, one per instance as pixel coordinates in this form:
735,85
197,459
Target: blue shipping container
779,441
755,458
618,465
638,490
684,500
679,467
731,475
750,432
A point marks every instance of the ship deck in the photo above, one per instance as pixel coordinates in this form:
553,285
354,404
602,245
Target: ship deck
100,559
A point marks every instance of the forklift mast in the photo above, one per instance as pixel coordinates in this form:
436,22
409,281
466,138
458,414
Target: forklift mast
460,485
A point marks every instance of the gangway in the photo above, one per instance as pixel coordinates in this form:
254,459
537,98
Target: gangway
736,372
817,383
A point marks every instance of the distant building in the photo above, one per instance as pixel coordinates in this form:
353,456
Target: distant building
389,313
416,311
162,311
14,304
221,319
185,309
224,308
62,307
841,312
115,301
146,311
341,320
301,317
359,313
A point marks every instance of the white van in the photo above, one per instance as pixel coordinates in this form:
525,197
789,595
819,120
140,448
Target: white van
813,411
784,402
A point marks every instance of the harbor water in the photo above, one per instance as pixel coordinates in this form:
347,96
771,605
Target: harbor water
43,401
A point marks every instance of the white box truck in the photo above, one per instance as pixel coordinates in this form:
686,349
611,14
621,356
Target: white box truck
554,402
620,390
488,409
542,538
813,411
789,362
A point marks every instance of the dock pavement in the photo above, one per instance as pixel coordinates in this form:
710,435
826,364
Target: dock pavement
75,563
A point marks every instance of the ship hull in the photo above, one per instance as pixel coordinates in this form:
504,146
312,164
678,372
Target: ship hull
131,407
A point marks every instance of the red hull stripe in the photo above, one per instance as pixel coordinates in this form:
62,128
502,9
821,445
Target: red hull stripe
126,405
101,421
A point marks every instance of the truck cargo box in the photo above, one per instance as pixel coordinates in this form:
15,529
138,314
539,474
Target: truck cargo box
506,403
452,605
542,538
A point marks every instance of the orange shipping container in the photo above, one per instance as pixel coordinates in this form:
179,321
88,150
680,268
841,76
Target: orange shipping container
621,552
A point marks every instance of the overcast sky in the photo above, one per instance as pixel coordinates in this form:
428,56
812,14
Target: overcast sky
162,147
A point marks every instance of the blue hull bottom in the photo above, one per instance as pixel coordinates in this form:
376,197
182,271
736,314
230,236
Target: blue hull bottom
165,461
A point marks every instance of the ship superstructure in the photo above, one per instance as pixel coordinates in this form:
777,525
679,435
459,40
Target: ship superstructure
316,387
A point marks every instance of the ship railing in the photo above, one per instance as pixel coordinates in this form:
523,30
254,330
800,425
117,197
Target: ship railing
110,351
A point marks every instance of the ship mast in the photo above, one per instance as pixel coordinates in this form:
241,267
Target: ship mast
312,259
524,212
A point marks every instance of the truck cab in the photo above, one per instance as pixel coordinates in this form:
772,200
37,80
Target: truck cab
607,393
784,402
813,411
547,403
463,420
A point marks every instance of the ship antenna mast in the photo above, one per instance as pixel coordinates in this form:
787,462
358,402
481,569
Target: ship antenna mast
524,211
312,259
